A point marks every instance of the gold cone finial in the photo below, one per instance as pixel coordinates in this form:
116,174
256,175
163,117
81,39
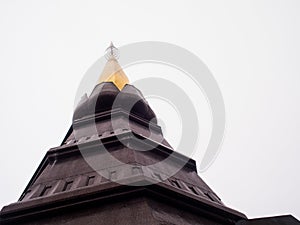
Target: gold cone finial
112,71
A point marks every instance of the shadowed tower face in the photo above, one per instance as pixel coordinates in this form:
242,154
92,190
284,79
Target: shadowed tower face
115,167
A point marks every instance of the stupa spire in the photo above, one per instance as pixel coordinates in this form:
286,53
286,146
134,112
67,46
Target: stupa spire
112,71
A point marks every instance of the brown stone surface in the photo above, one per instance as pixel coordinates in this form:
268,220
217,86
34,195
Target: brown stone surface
65,189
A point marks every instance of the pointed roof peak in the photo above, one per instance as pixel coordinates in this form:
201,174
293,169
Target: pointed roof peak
112,71
111,52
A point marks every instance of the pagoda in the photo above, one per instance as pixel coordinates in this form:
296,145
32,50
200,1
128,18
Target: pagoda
114,166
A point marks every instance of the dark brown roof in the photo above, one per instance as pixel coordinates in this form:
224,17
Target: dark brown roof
65,178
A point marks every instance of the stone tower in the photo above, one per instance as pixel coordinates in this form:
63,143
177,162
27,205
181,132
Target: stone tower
115,167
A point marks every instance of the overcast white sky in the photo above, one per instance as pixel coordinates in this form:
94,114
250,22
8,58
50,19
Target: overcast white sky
251,47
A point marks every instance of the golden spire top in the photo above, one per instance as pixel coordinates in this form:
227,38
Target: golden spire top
112,71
